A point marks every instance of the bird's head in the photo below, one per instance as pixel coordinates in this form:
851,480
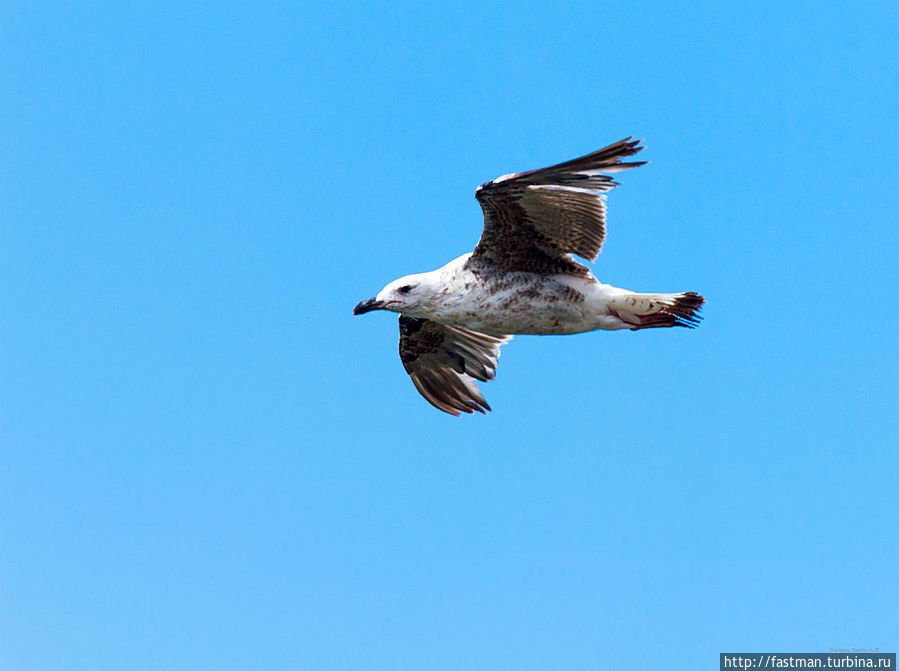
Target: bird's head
410,295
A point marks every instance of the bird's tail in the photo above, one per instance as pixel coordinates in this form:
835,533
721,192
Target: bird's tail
648,311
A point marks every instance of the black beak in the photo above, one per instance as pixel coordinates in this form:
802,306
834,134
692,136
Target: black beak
368,306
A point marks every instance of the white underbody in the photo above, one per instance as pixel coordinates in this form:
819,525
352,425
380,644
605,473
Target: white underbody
512,303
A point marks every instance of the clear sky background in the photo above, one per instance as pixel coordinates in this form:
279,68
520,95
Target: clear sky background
208,463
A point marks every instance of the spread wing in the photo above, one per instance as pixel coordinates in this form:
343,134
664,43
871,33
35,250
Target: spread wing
534,220
444,362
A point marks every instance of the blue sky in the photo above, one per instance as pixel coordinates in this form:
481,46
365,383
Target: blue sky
208,463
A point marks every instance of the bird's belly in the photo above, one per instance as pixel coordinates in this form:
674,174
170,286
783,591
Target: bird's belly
526,307
544,322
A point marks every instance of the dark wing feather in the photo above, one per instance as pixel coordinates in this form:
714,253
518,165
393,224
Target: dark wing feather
444,362
534,220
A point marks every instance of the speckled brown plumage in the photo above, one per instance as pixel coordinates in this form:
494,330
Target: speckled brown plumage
443,362
534,220
522,278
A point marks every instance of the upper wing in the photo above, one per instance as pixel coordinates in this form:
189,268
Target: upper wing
534,220
444,362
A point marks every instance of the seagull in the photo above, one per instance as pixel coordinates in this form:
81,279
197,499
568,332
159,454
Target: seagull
521,279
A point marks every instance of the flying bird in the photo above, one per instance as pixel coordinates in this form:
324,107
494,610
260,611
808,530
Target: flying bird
521,278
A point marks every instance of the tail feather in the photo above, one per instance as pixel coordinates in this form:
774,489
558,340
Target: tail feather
683,310
646,311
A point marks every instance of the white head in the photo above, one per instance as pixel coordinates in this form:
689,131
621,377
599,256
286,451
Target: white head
411,295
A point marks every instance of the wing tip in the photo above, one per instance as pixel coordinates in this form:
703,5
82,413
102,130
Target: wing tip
469,407
624,148
452,400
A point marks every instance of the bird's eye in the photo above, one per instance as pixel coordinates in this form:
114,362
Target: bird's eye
405,289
